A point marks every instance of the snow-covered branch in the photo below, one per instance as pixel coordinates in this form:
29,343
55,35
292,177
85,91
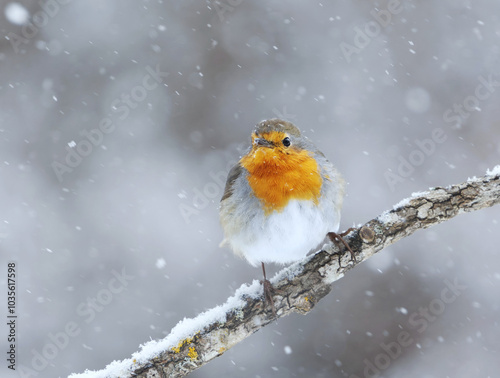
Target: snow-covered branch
194,342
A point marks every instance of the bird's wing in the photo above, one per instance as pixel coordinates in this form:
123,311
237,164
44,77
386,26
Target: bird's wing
234,173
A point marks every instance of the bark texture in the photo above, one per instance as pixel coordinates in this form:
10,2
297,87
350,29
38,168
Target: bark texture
303,284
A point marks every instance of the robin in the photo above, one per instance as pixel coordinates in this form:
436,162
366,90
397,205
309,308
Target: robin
281,199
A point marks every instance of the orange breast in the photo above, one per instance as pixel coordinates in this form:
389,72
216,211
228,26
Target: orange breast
277,177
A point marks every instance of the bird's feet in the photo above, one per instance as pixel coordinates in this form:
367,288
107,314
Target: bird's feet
268,294
335,238
269,291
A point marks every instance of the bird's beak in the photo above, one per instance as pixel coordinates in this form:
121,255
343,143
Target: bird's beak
263,142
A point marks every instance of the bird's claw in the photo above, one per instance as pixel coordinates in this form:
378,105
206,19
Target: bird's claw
334,237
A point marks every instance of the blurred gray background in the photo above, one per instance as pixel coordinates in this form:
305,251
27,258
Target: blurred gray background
371,83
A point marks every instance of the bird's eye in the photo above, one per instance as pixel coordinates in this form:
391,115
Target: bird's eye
286,142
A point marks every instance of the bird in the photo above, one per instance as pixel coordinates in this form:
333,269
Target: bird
281,200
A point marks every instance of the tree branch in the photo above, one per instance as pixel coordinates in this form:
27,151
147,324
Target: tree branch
194,342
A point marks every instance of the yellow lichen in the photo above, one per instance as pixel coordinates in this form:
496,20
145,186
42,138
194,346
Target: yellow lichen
222,350
307,299
192,354
184,342
177,349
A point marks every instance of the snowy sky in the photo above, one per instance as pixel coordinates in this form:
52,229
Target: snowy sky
119,121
